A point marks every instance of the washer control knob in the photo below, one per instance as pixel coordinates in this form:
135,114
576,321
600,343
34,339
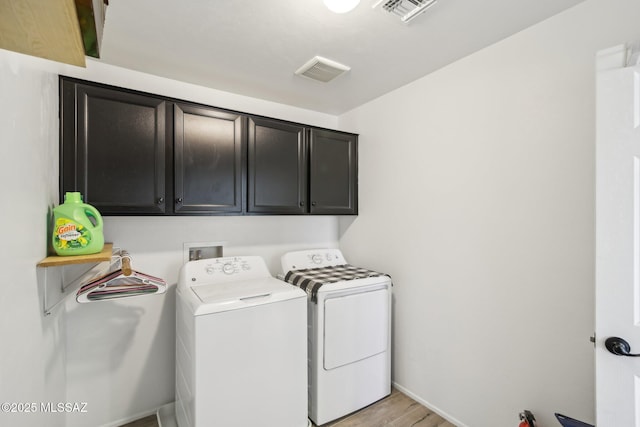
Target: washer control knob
316,258
210,270
228,268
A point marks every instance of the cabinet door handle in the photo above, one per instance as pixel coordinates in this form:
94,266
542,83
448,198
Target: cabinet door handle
301,203
313,203
179,200
160,200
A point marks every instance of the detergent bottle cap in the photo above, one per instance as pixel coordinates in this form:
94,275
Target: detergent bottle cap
72,197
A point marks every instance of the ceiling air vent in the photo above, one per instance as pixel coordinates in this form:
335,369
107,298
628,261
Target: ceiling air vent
322,69
405,9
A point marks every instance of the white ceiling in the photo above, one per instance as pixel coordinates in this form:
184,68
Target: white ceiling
253,47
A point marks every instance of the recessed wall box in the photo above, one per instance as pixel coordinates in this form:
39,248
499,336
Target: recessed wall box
202,250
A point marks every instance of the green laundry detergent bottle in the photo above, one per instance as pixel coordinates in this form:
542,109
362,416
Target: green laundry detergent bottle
77,227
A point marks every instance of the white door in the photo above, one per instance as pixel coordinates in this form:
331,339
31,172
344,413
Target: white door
617,238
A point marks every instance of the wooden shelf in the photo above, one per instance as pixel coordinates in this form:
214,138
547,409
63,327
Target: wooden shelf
57,261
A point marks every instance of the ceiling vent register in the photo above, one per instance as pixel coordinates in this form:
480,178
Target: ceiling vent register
405,9
322,69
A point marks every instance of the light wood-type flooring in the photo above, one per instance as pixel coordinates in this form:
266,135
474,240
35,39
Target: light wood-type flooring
396,410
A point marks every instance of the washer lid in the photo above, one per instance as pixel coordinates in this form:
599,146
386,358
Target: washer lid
219,297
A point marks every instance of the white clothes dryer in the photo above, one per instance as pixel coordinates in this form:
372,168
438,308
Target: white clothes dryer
240,346
349,339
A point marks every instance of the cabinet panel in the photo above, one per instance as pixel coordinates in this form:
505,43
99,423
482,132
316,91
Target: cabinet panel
113,148
208,154
277,167
333,173
132,153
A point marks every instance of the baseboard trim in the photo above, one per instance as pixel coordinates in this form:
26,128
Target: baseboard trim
167,415
434,408
130,419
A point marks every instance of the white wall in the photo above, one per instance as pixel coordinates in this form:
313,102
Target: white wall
32,364
477,195
121,353
116,356
477,179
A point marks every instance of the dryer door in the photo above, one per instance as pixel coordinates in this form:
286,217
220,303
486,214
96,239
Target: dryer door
356,326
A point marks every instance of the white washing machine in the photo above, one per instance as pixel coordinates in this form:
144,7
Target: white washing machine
349,337
240,346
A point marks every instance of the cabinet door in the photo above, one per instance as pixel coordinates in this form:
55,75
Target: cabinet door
208,160
113,148
333,174
277,167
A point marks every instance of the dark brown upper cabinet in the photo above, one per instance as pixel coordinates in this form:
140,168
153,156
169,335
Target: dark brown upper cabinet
132,153
277,167
113,148
297,170
333,172
209,146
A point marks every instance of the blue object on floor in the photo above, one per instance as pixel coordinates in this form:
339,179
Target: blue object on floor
571,422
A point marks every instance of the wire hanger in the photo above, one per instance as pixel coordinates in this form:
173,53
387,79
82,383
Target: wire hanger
120,283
